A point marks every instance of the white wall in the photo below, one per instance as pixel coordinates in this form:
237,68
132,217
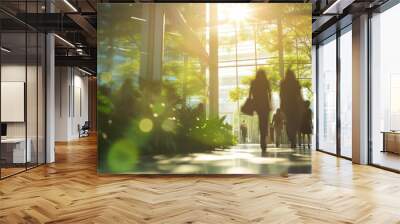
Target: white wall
14,73
71,102
62,81
81,103
33,126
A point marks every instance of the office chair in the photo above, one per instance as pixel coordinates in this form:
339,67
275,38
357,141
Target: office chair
84,130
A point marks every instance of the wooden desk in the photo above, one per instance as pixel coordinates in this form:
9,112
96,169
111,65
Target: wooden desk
13,150
391,141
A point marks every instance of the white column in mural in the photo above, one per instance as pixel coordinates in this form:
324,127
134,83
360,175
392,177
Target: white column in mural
159,20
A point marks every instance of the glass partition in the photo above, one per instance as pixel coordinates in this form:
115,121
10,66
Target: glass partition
346,93
22,91
327,95
385,88
14,145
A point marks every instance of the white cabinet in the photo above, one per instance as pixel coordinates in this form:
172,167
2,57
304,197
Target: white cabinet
19,155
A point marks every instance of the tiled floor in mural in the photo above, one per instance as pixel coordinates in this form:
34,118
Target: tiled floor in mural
240,159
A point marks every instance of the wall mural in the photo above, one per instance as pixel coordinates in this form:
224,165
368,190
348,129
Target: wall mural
206,88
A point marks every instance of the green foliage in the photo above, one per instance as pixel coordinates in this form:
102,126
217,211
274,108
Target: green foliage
238,93
123,156
154,120
295,42
185,78
213,133
182,70
246,80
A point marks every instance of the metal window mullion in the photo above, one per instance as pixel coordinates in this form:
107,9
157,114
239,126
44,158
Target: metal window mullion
317,97
45,94
37,91
369,90
73,91
0,94
338,98
26,87
255,45
237,72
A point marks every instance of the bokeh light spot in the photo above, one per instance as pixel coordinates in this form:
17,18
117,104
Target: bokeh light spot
123,156
146,125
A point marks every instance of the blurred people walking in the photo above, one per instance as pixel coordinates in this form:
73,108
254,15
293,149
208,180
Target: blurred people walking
277,123
243,131
260,95
306,126
291,105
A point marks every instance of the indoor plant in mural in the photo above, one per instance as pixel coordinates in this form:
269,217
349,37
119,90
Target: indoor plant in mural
145,123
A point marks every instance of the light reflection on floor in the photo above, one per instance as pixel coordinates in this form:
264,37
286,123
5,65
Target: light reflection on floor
386,159
240,159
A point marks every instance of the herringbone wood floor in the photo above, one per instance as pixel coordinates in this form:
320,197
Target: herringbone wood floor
70,191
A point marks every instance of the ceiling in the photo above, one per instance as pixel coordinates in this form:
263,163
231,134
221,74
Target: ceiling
332,15
75,22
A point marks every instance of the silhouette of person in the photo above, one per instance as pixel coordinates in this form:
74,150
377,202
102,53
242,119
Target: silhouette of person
260,92
243,131
306,125
291,105
277,123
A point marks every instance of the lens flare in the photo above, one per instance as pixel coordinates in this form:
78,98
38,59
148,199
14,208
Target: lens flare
146,125
123,156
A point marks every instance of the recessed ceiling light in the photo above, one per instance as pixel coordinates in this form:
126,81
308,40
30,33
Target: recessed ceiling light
64,40
5,50
337,7
137,18
84,71
70,5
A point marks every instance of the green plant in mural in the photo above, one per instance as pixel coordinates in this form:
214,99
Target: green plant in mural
154,120
288,41
238,94
123,156
186,79
182,70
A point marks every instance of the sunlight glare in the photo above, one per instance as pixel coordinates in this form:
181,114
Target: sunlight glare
238,12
